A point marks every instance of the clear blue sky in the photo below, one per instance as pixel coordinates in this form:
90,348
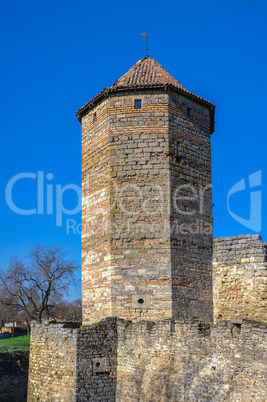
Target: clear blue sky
56,55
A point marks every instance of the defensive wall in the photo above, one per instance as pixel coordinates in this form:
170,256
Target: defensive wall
153,279
240,278
120,360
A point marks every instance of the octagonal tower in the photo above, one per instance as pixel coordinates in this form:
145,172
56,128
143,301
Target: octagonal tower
147,205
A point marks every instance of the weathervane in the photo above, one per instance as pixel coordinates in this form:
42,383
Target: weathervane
145,35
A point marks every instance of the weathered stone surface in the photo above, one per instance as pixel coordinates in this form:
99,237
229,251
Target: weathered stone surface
171,361
147,264
240,278
52,367
97,361
141,236
150,361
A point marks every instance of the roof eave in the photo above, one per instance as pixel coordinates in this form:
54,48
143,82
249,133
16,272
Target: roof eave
106,91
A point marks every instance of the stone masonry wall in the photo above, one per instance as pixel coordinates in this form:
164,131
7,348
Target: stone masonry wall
191,209
71,364
97,362
171,361
140,209
240,278
96,271
52,366
119,360
146,247
126,250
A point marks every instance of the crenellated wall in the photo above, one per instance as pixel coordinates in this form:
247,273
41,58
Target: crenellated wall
118,360
171,361
240,278
124,361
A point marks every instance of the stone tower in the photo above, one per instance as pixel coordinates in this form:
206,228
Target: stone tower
147,278
147,204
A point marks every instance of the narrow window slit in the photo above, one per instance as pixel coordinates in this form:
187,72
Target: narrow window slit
189,112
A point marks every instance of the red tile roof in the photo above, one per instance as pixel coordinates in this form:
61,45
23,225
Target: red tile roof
146,73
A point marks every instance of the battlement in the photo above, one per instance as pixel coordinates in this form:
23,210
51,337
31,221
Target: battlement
120,360
241,249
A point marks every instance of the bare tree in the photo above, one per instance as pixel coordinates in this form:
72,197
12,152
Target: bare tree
69,311
35,285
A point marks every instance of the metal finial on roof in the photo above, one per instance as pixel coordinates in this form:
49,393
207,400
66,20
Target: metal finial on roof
145,35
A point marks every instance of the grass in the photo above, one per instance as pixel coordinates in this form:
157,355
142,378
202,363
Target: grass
15,344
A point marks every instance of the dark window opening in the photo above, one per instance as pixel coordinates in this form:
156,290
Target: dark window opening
189,112
140,301
97,364
94,118
138,104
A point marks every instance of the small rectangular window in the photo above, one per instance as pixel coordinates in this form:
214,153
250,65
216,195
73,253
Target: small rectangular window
189,112
138,104
94,118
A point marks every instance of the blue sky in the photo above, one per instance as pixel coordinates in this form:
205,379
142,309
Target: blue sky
56,55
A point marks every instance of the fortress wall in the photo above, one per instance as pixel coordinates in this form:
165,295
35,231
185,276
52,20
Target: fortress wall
125,361
240,278
117,360
97,361
70,364
52,366
170,361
